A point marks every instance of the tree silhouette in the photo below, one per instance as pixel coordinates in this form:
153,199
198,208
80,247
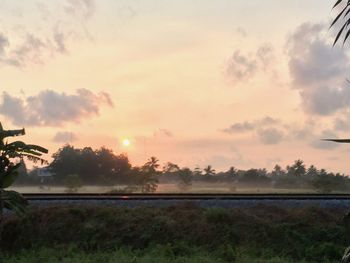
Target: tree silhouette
152,165
170,168
209,171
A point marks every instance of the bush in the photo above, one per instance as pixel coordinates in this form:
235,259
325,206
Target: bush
311,233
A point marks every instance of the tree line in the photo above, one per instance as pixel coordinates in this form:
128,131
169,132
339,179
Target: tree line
74,167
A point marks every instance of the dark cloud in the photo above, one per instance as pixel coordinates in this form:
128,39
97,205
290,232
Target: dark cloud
317,70
64,137
270,135
50,108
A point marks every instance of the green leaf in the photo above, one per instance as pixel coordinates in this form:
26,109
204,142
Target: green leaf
21,146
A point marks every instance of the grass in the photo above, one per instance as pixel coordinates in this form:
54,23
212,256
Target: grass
182,233
159,254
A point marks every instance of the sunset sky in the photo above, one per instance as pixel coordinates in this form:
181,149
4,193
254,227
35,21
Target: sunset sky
196,82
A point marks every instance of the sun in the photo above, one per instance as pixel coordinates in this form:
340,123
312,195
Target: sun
126,142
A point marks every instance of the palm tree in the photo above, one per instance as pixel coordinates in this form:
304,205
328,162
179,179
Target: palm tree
170,168
342,15
152,165
209,171
148,179
232,172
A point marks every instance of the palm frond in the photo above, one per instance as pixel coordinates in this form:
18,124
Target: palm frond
337,140
343,15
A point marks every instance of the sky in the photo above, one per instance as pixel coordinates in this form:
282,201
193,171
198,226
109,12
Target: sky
248,84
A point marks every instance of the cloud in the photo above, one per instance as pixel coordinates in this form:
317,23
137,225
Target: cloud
265,54
240,127
4,42
241,67
81,8
63,23
64,137
270,135
342,124
317,70
269,130
272,131
60,39
251,126
50,108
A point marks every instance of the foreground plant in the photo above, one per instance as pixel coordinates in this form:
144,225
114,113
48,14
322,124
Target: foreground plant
10,156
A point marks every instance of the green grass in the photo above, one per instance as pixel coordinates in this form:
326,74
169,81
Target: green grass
159,254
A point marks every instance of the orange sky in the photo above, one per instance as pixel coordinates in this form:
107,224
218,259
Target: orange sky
226,83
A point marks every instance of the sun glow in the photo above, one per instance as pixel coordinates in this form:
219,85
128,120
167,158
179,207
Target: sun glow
126,142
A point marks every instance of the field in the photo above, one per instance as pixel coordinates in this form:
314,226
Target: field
160,254
197,187
182,233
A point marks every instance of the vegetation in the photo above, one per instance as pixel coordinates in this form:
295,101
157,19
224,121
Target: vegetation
103,167
162,254
183,232
11,158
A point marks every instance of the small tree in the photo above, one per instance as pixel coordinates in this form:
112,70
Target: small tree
10,156
148,176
